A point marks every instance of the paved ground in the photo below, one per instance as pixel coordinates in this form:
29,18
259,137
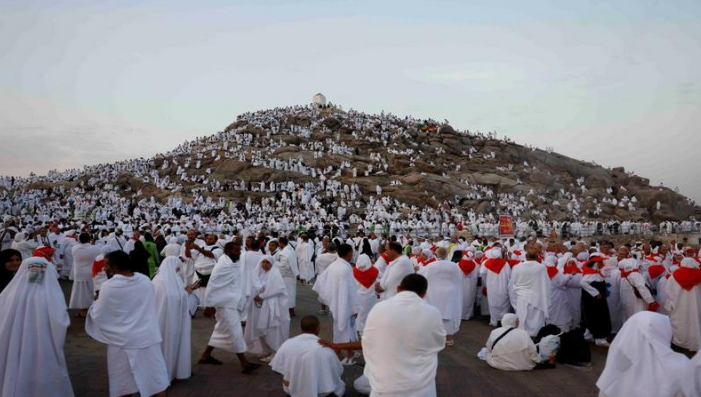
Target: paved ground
460,373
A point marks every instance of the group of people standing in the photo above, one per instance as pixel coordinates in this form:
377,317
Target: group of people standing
401,304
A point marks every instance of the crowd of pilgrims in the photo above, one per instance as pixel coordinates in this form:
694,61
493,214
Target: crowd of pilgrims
544,297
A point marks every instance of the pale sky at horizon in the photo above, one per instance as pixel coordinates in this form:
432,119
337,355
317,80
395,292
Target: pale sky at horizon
620,84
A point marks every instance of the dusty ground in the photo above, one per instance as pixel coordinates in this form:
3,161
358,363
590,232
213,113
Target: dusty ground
460,373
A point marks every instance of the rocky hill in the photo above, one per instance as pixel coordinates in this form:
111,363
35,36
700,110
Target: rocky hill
422,163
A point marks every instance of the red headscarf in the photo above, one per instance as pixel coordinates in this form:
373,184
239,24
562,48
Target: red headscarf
366,278
687,277
97,265
655,270
467,265
552,271
495,264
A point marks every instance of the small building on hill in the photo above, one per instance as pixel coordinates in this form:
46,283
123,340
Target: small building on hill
319,99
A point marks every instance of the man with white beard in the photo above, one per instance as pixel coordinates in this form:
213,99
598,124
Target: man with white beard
336,288
496,272
445,292
287,261
304,253
529,292
224,293
398,267
124,318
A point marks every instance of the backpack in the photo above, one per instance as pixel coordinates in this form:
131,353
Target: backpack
573,348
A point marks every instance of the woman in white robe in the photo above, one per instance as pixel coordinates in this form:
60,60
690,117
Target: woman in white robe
268,325
470,275
559,313
641,362
82,292
173,318
632,281
33,324
366,275
683,302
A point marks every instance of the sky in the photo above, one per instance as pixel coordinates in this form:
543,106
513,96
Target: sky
618,83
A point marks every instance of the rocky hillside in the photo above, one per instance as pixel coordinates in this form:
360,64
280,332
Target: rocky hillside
419,162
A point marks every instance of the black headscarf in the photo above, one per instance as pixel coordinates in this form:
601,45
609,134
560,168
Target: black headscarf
6,275
139,259
367,250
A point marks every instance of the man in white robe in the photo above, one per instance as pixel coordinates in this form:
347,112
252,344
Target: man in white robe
189,255
401,342
529,292
445,292
223,294
174,318
304,252
124,318
269,325
326,257
82,292
307,368
399,266
336,288
33,324
250,261
683,302
206,256
286,258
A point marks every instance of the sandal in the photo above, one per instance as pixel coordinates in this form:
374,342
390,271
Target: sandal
210,360
250,368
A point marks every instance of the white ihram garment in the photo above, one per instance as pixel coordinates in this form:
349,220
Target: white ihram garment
311,369
337,289
529,290
445,292
224,293
82,292
401,341
124,317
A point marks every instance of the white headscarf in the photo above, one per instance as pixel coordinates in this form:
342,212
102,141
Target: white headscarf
363,263
493,253
168,276
629,264
509,320
640,360
34,318
690,263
